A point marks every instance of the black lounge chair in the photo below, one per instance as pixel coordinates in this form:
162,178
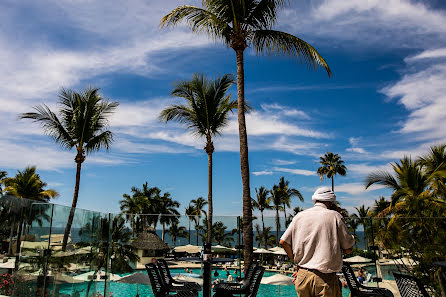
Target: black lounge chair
174,285
248,289
158,287
358,290
409,286
245,281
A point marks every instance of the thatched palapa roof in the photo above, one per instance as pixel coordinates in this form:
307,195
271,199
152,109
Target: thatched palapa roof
148,240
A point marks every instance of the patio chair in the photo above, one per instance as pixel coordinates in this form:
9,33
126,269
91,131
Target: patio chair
248,289
245,281
358,290
158,287
172,284
409,286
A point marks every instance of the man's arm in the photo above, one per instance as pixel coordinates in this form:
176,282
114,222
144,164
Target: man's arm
287,247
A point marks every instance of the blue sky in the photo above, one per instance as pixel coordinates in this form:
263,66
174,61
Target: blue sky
386,98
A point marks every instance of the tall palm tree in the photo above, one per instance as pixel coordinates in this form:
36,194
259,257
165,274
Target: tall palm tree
264,237
276,199
239,24
206,113
176,231
262,202
168,210
364,214
332,164
190,213
82,125
286,193
434,165
26,184
198,205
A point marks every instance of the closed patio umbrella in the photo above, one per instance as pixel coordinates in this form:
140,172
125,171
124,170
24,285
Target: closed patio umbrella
357,259
278,280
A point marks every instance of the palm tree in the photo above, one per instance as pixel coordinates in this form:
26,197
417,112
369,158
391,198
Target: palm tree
239,24
198,205
206,113
82,125
221,236
332,164
364,215
434,165
168,210
286,193
277,206
3,175
131,206
353,222
176,231
263,202
190,213
264,236
296,210
26,184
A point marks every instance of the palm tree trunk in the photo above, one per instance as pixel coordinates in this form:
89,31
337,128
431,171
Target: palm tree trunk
11,235
196,231
284,213
332,183
263,230
244,162
163,232
277,225
209,148
79,159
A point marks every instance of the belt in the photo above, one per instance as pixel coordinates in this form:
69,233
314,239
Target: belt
316,271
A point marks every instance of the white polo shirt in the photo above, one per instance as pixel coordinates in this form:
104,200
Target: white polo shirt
317,237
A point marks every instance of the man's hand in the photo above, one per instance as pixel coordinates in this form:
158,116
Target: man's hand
294,276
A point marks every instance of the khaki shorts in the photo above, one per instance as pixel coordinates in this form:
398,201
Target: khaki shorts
317,284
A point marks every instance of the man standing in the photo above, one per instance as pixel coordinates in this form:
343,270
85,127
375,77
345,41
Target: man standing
315,240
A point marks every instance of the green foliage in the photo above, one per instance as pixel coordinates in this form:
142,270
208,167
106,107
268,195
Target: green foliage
413,223
332,165
145,205
240,24
220,234
176,231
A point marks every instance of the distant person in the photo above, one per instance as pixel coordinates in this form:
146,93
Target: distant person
315,240
230,279
361,275
216,273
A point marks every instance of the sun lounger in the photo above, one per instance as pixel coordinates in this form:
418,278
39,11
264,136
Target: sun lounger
358,290
409,286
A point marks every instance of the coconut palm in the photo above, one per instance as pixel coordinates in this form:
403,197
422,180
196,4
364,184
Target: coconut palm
26,184
286,193
198,205
239,24
176,231
332,165
276,199
262,202
296,210
434,165
82,125
190,213
205,112
168,209
364,216
264,237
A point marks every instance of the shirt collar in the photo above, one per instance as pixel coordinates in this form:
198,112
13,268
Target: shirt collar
320,204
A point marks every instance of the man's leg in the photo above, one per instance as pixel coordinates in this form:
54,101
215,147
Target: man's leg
303,284
327,285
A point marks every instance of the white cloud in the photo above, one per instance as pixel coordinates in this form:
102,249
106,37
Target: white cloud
285,110
363,169
264,172
283,162
295,171
354,142
428,54
355,188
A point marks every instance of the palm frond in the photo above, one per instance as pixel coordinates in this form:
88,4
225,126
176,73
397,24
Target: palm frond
271,42
50,124
381,178
264,14
199,20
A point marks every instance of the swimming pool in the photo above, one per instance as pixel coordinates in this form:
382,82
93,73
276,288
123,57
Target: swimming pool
129,290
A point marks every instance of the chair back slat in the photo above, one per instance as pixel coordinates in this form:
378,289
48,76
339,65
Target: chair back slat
256,277
249,274
350,277
155,280
166,277
409,286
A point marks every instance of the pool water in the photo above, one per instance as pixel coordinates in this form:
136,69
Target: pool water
129,290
